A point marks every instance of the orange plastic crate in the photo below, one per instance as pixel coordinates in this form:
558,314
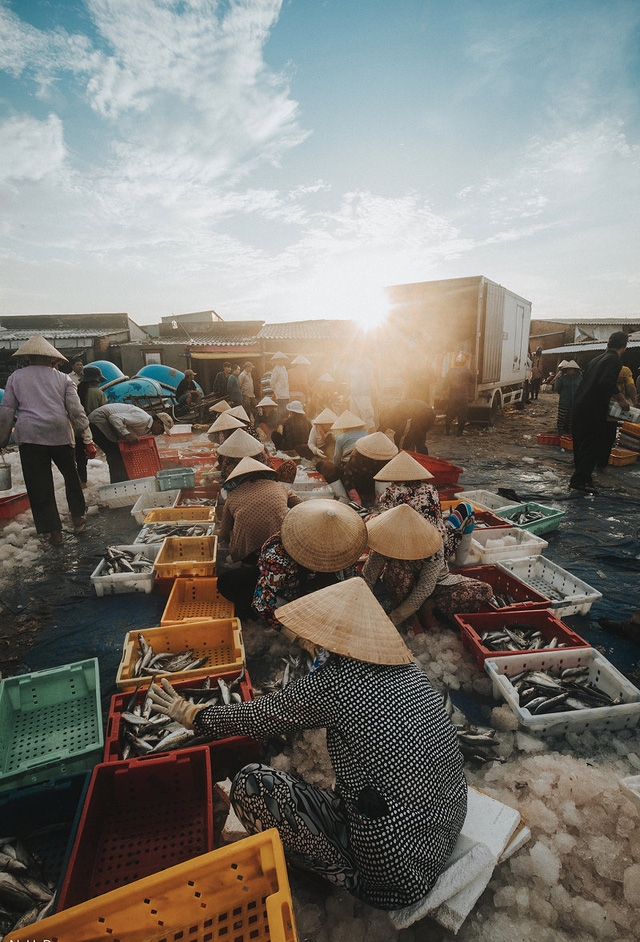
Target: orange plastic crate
238,893
219,641
187,556
566,442
175,514
195,600
141,458
620,457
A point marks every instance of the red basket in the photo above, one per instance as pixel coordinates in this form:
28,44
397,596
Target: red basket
140,816
198,461
443,471
169,460
14,505
141,458
473,626
525,598
544,439
230,753
209,492
448,491
566,442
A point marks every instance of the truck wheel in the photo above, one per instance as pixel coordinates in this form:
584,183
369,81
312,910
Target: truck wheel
496,408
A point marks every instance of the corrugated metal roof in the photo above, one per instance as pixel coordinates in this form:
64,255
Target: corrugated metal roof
585,347
55,334
309,330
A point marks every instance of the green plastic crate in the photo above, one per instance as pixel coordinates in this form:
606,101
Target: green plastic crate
50,724
551,520
172,478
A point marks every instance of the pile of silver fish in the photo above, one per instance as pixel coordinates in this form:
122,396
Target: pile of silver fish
143,732
197,502
519,637
477,743
166,662
125,561
157,532
570,689
25,895
526,516
294,668
501,601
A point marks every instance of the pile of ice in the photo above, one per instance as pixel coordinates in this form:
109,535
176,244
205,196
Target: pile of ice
504,541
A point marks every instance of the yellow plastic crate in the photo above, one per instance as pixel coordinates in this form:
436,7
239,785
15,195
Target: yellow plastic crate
219,641
179,514
621,456
187,556
238,893
195,600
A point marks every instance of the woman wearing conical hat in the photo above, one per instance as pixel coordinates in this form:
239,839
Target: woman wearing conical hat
348,428
47,406
321,441
370,454
408,482
239,444
566,385
406,552
388,828
319,543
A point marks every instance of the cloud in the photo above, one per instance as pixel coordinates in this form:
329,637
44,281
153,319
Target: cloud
31,149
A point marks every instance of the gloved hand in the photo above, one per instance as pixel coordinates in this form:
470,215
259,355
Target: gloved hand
401,613
90,450
166,700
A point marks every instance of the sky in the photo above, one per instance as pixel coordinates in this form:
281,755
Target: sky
287,159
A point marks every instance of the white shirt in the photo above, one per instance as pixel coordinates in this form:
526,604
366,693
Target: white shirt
119,420
246,385
279,382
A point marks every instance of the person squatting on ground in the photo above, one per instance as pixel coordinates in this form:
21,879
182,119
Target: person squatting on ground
187,393
388,829
47,406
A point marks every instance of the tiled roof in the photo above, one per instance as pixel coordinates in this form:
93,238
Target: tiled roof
214,338
308,330
54,334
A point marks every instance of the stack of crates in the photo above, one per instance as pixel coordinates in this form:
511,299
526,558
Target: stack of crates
629,436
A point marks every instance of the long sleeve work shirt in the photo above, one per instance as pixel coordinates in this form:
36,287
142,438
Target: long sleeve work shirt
387,732
119,420
48,408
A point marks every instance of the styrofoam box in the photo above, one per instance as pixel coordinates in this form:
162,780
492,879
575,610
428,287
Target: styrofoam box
602,674
120,583
631,785
569,595
209,531
527,544
126,492
150,501
180,430
315,493
487,500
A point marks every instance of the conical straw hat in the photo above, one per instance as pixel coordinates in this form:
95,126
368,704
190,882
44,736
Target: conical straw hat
377,446
572,365
224,422
279,356
403,533
326,417
239,413
37,346
301,361
347,420
346,618
326,378
240,445
222,406
323,535
247,466
403,468
267,401
563,364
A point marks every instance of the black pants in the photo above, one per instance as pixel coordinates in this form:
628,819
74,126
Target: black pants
117,470
459,411
81,460
238,585
589,446
535,388
38,478
609,441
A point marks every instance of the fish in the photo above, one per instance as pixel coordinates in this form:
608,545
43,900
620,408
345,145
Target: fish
157,532
570,689
124,561
518,636
150,663
294,668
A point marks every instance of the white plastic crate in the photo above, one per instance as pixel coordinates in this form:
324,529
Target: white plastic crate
602,674
180,430
569,595
127,492
631,785
315,493
120,583
150,528
147,502
527,544
487,500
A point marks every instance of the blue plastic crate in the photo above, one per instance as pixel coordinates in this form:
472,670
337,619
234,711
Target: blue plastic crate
176,477
50,724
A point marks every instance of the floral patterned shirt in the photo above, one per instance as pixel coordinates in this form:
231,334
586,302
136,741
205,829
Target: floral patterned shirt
424,498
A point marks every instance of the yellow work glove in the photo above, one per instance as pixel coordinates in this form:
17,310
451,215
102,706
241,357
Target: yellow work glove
401,613
166,700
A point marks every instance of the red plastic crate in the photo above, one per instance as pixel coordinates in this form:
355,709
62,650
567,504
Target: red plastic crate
140,816
566,442
473,625
443,471
209,492
169,460
141,458
524,596
198,461
232,752
447,491
549,439
14,505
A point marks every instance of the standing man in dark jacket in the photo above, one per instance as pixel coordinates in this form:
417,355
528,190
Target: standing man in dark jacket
590,409
220,382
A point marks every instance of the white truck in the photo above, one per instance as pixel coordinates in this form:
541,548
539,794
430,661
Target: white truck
474,316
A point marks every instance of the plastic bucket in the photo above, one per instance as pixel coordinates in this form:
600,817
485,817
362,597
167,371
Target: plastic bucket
5,475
